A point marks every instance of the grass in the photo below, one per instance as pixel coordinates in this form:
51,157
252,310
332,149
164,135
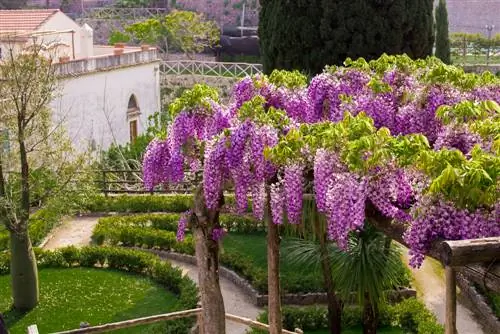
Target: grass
254,246
474,60
96,296
358,330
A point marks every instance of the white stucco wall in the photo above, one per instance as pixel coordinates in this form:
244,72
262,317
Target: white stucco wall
94,106
61,22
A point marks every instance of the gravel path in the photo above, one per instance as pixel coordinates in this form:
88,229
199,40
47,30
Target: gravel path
78,231
430,285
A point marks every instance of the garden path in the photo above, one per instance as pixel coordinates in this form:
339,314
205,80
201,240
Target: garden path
430,285
78,232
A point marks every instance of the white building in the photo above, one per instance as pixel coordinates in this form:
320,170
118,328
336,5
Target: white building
106,94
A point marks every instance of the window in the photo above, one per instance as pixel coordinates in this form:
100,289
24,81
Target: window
133,114
133,130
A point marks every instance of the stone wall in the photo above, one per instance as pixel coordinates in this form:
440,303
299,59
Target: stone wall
173,85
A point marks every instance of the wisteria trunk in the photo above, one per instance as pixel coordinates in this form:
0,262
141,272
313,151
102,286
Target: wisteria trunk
334,303
273,270
207,259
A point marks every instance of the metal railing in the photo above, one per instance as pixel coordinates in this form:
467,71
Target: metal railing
209,68
33,329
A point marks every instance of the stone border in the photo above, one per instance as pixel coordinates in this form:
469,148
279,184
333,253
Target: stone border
481,307
260,300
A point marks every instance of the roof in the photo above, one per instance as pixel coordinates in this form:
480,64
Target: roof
25,20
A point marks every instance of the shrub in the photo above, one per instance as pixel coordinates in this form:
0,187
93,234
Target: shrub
148,203
141,203
410,315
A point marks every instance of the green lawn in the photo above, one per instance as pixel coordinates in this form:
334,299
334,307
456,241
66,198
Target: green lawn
253,245
358,330
97,296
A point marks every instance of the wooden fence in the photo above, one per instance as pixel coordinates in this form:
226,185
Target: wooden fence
130,182
209,68
33,329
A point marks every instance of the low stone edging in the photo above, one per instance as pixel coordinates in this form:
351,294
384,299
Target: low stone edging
260,300
481,308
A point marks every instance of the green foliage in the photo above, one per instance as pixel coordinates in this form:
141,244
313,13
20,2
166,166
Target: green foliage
410,315
127,156
184,30
442,38
307,35
118,36
134,3
12,4
288,79
468,182
367,268
199,95
414,317
141,203
191,32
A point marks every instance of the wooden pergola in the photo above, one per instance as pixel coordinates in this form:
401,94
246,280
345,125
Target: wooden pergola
477,259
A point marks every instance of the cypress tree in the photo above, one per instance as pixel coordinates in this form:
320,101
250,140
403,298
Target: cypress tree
289,35
442,38
342,28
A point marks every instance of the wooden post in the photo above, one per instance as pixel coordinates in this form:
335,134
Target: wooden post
273,271
104,184
451,301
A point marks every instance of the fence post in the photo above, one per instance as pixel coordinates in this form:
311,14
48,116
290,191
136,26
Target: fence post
451,301
104,184
33,329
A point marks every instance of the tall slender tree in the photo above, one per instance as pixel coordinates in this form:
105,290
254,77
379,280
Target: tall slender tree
307,35
442,37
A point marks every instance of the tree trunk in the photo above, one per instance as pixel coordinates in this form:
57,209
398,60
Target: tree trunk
369,317
23,271
334,303
207,259
273,273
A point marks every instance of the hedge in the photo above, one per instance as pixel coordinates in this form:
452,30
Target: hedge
159,233
410,315
131,261
147,203
40,224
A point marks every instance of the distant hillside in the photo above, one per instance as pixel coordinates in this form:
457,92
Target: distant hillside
464,15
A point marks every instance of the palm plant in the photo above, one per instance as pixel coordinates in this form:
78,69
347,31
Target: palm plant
365,271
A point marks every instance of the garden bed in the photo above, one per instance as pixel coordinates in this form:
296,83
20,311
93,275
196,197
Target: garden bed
76,288
243,249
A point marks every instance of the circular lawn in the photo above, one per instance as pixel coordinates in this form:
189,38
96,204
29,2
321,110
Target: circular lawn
96,296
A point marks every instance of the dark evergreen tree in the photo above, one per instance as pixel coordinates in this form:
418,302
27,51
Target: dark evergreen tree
12,4
442,37
338,29
289,35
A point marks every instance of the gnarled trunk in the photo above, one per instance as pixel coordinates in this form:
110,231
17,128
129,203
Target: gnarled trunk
207,259
23,271
273,273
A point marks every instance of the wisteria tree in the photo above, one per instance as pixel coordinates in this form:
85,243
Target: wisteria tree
411,147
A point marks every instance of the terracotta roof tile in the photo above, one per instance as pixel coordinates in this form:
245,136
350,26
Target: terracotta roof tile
24,20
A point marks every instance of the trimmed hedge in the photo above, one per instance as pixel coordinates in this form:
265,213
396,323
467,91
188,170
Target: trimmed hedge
124,260
156,231
410,315
40,224
147,203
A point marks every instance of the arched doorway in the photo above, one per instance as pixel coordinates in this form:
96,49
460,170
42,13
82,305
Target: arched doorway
133,113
